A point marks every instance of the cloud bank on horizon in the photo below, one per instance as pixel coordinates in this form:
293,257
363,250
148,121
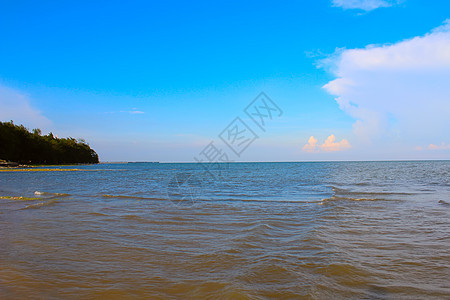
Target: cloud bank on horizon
330,145
399,89
366,5
442,146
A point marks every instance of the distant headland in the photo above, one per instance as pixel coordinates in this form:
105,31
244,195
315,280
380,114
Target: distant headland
20,146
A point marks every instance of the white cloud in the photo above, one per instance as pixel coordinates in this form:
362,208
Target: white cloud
366,5
17,106
442,146
311,146
330,145
132,112
401,88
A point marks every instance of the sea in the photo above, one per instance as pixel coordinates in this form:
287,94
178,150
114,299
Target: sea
294,230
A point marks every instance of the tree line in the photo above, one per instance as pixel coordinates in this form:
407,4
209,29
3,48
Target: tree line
20,145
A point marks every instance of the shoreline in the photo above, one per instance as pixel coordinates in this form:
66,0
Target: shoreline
8,166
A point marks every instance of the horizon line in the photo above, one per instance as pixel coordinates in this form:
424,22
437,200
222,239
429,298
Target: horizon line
294,161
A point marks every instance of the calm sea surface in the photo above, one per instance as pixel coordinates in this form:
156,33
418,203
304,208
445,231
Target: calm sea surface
346,230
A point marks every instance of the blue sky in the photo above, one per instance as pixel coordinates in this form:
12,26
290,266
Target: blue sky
158,81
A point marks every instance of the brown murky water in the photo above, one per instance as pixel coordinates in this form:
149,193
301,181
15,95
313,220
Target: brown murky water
262,231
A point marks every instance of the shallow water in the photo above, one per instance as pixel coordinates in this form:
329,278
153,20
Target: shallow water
371,230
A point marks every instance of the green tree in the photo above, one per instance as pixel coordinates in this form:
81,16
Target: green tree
18,144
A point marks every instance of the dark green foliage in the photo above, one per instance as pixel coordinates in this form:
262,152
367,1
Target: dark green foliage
20,145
